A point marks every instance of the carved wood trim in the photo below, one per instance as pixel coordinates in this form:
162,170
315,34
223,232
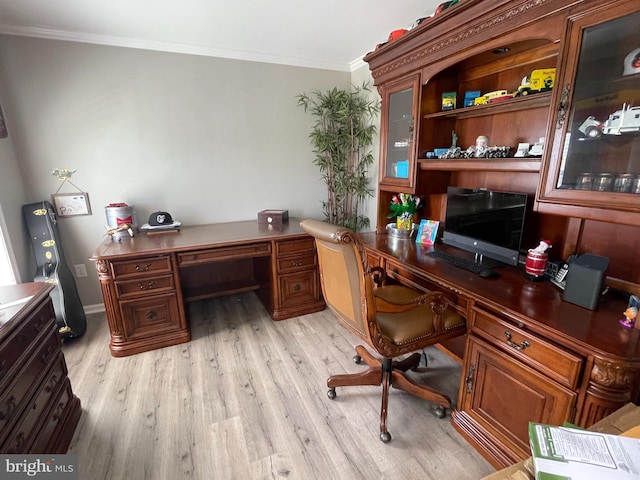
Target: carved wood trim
470,32
613,376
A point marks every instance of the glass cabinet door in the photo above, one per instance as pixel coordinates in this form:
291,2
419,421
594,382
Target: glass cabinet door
397,168
596,143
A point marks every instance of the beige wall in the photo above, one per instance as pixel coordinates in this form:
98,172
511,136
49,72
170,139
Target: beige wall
206,139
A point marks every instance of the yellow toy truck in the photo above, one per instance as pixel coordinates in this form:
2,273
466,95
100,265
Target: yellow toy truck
540,80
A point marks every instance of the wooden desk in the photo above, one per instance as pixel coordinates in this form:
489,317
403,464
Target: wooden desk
528,355
38,410
146,280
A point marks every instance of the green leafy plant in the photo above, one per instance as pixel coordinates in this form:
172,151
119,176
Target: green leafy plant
342,136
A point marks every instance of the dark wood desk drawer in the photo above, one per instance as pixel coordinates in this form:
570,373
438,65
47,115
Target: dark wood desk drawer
290,247
402,274
297,262
149,316
141,266
298,288
224,253
139,286
555,362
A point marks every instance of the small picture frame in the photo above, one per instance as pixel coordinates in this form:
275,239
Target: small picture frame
71,204
427,232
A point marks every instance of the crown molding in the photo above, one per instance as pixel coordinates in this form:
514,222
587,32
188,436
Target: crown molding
127,42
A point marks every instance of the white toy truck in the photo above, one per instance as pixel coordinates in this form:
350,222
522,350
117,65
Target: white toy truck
626,120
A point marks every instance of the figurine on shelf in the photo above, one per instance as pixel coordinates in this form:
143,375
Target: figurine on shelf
536,150
631,313
482,143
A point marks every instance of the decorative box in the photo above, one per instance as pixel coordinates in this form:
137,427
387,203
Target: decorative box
448,101
276,218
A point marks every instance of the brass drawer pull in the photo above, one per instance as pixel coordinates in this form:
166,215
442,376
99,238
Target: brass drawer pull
297,263
524,344
151,315
143,269
148,286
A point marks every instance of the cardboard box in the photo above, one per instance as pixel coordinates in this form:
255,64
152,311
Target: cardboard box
274,218
623,421
448,101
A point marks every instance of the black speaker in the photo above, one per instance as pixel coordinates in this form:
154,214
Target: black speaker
585,280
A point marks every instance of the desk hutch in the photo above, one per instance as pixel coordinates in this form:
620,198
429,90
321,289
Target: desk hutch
528,355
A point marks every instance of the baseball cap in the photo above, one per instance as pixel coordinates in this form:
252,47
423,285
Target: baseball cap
160,218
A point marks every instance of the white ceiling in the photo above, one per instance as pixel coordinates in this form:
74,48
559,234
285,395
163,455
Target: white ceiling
331,34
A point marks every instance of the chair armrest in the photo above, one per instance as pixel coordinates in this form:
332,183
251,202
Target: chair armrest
378,275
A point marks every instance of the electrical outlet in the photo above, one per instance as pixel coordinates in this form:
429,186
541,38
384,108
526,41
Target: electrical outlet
81,270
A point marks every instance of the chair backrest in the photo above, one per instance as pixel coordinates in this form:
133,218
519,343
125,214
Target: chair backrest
341,273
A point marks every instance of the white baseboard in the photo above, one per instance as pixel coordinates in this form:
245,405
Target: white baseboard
97,308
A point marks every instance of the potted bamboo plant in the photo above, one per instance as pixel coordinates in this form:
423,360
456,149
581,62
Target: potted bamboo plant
342,136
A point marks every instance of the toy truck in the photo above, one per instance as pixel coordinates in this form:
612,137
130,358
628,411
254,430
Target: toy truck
540,80
626,120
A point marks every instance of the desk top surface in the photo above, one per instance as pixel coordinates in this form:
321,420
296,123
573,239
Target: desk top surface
196,237
538,304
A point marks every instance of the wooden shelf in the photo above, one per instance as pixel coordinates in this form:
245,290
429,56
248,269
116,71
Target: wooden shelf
485,164
520,103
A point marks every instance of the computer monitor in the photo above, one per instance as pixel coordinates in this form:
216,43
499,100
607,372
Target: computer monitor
486,222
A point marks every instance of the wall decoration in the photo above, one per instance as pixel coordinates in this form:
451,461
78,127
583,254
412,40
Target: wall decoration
71,204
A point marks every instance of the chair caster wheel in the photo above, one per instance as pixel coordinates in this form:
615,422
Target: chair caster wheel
357,359
441,412
385,437
331,393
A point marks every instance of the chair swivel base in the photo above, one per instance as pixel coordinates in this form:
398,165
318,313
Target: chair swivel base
388,373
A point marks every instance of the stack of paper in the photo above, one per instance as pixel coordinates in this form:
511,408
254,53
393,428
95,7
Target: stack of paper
569,453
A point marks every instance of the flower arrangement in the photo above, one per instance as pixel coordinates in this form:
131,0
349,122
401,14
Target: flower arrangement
404,206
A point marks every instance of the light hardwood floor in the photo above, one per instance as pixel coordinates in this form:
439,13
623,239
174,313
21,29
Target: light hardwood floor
246,399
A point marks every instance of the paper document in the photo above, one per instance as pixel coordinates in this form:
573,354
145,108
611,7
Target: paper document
560,452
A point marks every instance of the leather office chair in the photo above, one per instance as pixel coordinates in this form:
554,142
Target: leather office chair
394,320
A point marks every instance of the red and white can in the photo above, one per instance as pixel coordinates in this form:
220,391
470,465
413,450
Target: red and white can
536,263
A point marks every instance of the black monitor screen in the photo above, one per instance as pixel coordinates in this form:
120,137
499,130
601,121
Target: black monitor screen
485,222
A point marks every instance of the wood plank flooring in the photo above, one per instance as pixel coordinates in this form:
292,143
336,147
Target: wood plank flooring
246,399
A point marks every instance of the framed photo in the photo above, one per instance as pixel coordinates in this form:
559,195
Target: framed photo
71,204
427,232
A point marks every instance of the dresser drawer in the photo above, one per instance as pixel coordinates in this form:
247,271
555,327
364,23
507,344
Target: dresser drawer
141,266
13,399
546,357
291,247
138,286
24,432
402,274
297,262
59,413
224,253
17,344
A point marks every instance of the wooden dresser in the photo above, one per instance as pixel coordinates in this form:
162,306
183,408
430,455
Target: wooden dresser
38,410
